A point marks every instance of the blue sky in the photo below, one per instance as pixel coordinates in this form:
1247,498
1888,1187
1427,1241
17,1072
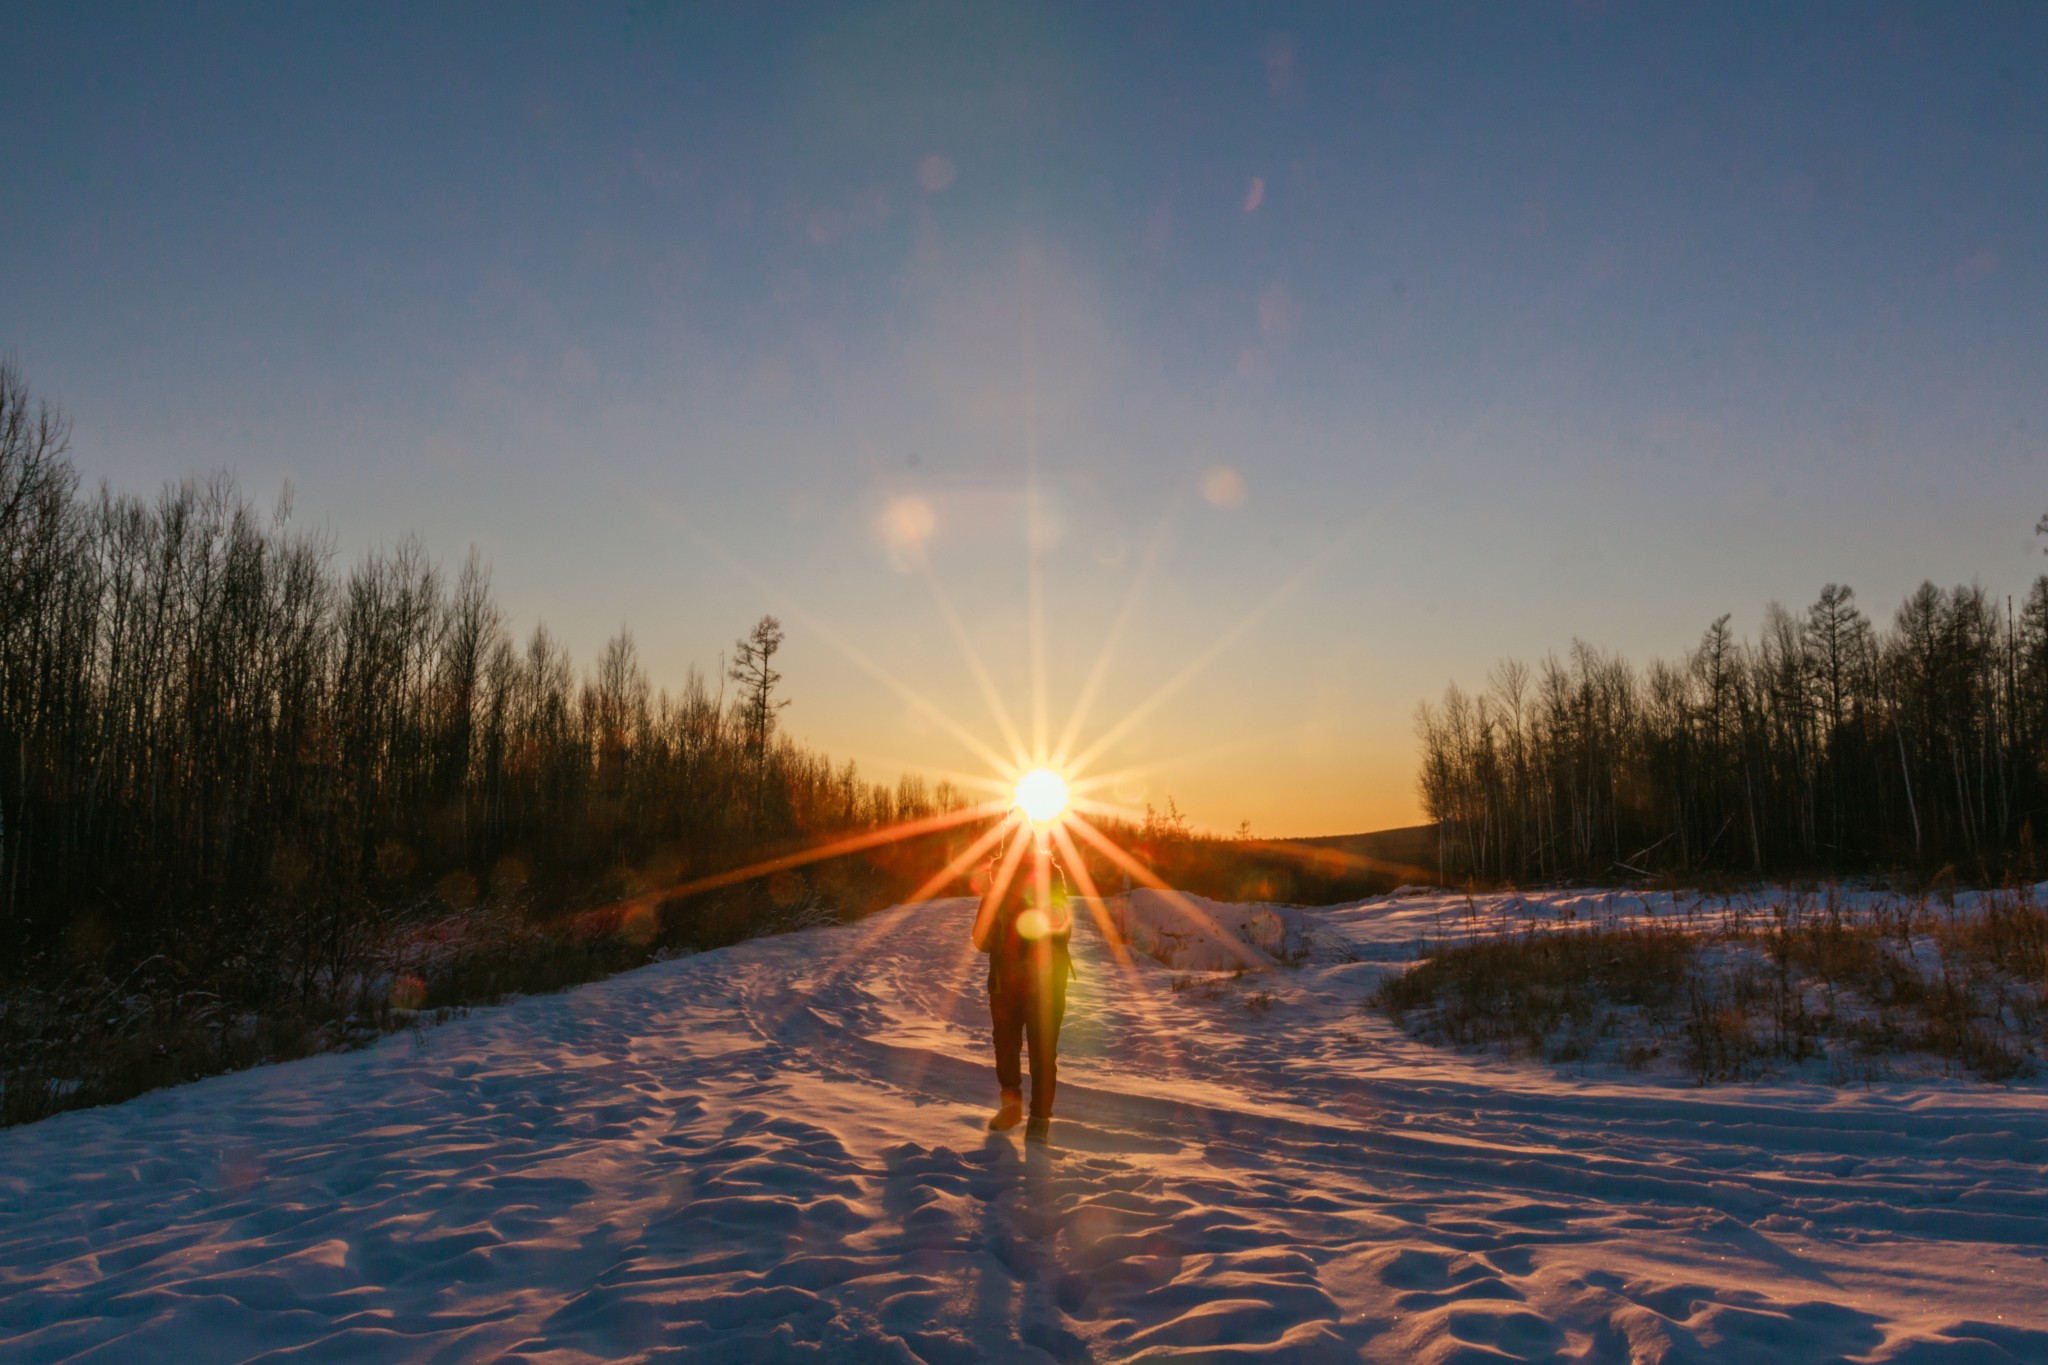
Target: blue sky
1509,324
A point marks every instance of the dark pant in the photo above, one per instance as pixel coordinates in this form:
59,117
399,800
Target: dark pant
1028,1010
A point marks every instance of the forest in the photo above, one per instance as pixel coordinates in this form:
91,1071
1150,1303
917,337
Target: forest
1830,745
254,804
243,789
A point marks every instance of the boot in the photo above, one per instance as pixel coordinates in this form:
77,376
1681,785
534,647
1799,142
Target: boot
1009,1112
1039,1129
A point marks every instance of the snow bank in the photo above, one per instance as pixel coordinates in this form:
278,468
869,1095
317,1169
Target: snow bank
1193,933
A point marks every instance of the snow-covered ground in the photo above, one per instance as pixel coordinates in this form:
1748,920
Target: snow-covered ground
775,1152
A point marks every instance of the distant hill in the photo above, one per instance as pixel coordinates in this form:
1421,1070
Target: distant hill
1409,852
1327,870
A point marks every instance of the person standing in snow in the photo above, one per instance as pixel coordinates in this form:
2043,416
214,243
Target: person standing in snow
1025,924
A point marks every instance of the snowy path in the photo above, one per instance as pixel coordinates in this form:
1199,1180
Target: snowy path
764,1153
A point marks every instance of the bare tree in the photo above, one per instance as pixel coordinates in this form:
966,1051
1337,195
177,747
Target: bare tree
753,670
1823,744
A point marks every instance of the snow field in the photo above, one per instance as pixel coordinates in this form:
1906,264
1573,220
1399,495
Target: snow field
775,1152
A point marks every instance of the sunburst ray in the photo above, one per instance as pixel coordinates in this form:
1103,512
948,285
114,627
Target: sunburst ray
991,696
1135,993
1095,782
853,653
1192,670
1177,899
877,926
852,843
960,777
1200,664
1035,537
1098,672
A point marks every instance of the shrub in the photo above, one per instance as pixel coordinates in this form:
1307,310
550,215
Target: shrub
1759,985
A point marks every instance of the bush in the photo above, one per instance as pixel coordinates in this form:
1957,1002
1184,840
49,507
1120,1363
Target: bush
1521,990
1733,997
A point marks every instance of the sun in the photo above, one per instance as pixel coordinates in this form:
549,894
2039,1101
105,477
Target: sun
1042,796
1027,774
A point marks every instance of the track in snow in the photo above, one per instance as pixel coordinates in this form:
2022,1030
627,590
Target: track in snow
775,1152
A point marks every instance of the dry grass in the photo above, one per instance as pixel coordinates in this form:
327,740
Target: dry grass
1520,990
1752,988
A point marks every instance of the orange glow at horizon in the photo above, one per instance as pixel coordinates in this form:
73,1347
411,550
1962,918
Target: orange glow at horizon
1040,775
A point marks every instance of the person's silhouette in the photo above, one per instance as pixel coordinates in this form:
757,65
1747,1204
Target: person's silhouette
1024,925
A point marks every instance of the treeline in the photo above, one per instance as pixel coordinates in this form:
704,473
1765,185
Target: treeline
218,747
1826,745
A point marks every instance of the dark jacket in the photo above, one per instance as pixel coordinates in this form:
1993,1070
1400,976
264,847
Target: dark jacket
1030,946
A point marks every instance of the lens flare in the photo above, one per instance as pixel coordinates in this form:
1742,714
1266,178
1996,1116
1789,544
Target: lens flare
1042,796
1060,793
